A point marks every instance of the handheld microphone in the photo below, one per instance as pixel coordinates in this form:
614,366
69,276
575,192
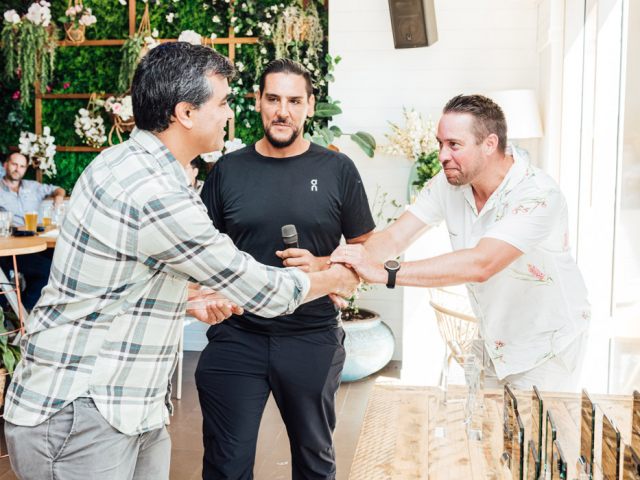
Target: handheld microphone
290,236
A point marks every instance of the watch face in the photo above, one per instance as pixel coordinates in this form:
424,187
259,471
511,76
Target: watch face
392,264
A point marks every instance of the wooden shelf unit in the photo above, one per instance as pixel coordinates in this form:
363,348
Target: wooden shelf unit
231,41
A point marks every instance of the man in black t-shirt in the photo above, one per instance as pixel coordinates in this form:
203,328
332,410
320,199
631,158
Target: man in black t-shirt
250,194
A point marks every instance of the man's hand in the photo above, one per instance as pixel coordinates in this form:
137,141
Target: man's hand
303,259
347,282
358,258
218,308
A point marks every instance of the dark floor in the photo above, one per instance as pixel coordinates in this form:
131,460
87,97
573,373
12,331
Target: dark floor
272,456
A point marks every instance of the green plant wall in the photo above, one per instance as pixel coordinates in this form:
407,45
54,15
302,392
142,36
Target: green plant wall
95,69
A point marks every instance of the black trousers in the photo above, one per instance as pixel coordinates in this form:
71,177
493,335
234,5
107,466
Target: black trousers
36,268
237,371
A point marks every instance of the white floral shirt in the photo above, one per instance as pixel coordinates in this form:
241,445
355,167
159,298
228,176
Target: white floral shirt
536,306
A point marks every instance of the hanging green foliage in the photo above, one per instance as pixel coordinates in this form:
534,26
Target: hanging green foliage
130,53
29,50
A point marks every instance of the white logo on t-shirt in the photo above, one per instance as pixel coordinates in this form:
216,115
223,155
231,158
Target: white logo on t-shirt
314,185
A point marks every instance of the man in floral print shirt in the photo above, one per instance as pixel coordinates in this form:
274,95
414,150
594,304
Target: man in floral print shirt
507,223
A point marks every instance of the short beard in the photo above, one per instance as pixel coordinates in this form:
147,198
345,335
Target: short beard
281,143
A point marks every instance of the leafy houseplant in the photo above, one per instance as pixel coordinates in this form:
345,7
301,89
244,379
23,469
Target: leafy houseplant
10,353
130,54
418,143
76,18
323,135
28,48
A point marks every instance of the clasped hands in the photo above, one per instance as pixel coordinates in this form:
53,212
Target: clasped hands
354,259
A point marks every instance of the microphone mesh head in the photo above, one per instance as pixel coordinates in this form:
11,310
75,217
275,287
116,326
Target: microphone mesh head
289,231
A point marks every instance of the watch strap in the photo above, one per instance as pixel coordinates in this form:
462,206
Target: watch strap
391,281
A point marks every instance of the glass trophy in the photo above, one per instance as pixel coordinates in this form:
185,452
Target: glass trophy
474,403
510,404
548,444
587,432
610,449
630,464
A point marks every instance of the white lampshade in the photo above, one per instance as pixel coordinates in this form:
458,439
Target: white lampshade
521,110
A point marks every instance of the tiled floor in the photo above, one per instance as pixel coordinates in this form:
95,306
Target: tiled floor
272,456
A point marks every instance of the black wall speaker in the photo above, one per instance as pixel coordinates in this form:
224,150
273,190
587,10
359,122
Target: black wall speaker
413,23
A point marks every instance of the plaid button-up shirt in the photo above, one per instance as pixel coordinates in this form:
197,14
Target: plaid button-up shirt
108,323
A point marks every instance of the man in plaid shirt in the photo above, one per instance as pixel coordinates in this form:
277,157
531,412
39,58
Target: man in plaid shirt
90,397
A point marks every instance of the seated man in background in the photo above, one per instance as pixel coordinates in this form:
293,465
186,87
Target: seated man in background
193,169
20,196
508,226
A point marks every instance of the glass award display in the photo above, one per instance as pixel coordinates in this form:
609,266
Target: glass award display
558,464
509,405
635,422
536,420
474,403
551,437
587,429
630,464
533,462
517,457
610,449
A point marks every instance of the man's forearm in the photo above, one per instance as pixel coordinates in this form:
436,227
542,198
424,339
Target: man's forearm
59,194
449,269
382,247
336,280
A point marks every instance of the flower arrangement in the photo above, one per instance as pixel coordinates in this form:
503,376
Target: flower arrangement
418,143
40,150
191,37
78,15
76,18
229,146
28,47
120,106
89,126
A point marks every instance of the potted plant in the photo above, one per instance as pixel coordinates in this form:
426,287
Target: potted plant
10,354
76,18
120,111
417,141
28,47
89,125
40,150
369,342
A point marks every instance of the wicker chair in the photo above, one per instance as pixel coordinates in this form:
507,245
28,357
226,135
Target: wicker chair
457,324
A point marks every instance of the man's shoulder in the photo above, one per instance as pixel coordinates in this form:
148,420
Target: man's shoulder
230,159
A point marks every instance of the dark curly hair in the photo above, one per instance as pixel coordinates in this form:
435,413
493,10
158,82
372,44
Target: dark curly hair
487,114
171,73
286,65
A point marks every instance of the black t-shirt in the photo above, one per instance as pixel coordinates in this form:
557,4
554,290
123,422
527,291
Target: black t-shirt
250,197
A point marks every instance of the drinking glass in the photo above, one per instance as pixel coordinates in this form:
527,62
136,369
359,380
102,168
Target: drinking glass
6,223
47,213
31,221
60,212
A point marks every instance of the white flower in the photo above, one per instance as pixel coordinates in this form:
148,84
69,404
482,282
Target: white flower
233,145
233,19
205,6
191,37
244,6
239,81
169,17
46,131
240,66
211,157
268,15
213,36
11,16
216,19
175,1
155,33
250,32
263,51
151,43
256,88
123,2
236,29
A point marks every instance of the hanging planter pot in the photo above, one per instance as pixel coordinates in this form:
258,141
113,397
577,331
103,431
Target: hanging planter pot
74,34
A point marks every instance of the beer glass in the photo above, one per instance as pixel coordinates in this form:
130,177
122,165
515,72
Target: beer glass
6,224
31,221
47,213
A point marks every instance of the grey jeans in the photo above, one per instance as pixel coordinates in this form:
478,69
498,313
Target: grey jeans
77,443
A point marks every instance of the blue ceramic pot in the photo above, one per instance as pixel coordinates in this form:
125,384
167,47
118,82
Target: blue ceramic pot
369,345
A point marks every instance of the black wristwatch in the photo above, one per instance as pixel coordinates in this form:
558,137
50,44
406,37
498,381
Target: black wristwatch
392,266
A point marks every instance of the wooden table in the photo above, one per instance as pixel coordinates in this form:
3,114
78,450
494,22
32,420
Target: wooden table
398,440
13,246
